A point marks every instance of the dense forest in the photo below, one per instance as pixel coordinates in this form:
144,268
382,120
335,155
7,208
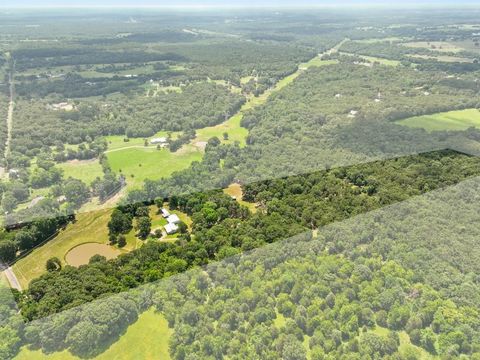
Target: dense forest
221,227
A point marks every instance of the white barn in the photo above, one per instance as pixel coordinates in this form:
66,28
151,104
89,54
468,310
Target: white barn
159,140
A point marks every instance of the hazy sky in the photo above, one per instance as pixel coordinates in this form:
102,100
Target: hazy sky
226,3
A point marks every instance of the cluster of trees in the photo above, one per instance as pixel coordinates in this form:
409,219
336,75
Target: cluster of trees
183,139
292,300
11,324
198,105
14,243
31,58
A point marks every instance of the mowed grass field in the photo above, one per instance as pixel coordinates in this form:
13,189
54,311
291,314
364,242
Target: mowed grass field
451,120
89,227
140,163
85,170
146,339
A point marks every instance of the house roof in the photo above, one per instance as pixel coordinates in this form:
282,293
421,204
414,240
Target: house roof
170,228
173,219
165,212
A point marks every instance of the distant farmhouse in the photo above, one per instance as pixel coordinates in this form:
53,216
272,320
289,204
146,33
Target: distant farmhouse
162,141
172,227
65,106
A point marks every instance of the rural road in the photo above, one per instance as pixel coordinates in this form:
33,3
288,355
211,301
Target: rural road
10,110
12,279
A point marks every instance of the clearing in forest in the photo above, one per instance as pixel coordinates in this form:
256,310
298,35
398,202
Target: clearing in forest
450,120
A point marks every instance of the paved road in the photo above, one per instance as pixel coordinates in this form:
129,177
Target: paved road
10,112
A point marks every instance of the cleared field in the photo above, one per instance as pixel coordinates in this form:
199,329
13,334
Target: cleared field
451,120
147,339
373,59
81,254
235,190
444,58
231,127
317,61
140,163
89,227
85,170
382,61
441,46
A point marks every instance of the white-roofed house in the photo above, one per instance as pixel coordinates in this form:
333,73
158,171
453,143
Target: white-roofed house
173,219
171,228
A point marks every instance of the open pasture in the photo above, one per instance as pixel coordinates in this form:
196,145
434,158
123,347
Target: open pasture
451,120
85,170
90,227
138,163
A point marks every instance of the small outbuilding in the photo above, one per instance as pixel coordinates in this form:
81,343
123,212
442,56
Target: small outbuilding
165,213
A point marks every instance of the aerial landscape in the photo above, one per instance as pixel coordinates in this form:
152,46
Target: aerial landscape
238,183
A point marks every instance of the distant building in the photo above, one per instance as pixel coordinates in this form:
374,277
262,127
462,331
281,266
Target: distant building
65,106
159,140
173,219
171,228
61,199
165,213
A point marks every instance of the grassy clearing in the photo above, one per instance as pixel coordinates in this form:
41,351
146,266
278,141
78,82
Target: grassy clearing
140,163
373,59
317,61
236,191
440,46
146,339
89,227
451,120
405,344
85,170
231,127
382,61
443,58
379,40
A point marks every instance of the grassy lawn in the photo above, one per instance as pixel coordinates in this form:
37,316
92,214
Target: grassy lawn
140,163
89,227
85,170
147,339
451,120
116,142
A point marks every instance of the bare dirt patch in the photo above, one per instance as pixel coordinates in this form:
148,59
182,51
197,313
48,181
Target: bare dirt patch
81,254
